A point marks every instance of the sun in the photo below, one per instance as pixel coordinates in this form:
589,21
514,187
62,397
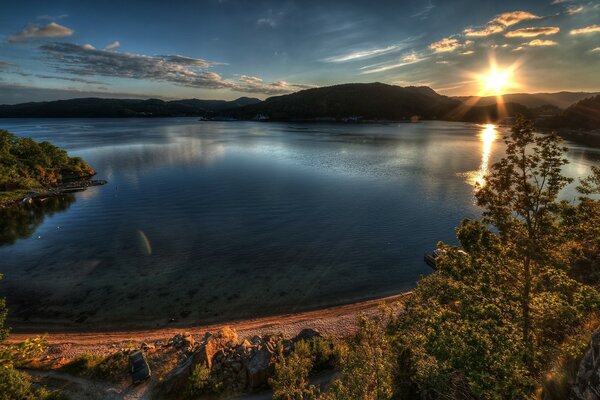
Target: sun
496,81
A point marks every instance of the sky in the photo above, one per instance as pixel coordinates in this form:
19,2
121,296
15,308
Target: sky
225,49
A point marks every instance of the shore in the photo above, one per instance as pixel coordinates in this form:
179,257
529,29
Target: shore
10,198
335,321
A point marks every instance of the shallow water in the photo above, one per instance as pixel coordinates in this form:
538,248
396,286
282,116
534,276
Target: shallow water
204,221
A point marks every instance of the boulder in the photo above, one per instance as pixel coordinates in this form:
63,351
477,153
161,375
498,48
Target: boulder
260,368
307,334
587,384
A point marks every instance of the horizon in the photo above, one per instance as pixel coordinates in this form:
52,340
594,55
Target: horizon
126,96
225,49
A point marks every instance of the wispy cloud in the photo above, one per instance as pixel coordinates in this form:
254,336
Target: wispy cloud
424,13
51,17
445,45
587,29
485,31
500,22
540,42
52,30
114,45
362,54
533,31
596,50
266,22
513,17
408,59
571,10
181,70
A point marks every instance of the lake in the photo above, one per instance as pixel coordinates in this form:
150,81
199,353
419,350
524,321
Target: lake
212,221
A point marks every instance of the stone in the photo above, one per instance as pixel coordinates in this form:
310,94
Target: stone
587,384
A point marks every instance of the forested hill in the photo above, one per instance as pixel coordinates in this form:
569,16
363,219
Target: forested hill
99,107
369,101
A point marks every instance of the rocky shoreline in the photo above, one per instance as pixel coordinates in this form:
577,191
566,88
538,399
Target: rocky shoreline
71,186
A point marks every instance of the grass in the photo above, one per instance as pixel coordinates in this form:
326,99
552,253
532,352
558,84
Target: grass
13,195
83,365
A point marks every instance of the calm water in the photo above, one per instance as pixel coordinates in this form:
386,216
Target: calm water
204,221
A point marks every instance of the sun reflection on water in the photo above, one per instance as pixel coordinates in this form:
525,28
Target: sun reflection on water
487,136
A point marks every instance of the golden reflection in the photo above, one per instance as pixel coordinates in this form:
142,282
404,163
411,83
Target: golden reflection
487,135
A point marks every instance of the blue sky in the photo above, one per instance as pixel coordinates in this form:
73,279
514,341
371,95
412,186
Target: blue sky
224,49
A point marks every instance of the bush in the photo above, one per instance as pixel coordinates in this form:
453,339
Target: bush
202,382
14,385
82,365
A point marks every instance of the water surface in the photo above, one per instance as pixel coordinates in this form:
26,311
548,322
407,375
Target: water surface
204,221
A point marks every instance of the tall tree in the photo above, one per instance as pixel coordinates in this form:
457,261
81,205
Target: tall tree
520,199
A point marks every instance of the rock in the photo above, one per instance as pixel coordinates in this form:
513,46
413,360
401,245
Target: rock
260,368
307,334
587,384
147,346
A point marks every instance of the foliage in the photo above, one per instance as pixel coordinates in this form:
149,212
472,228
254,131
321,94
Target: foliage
202,381
21,353
366,363
84,364
291,378
489,321
26,164
113,367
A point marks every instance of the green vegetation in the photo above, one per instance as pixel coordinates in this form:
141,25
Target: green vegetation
29,165
82,365
202,382
509,311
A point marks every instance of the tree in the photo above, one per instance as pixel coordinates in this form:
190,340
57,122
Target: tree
519,199
291,378
366,363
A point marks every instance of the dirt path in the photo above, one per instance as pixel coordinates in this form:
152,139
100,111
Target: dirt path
334,321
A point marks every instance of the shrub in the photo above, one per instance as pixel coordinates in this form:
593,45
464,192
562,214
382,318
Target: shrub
202,381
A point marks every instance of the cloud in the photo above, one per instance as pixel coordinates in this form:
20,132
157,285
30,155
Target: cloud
363,54
52,30
514,17
114,45
520,48
533,31
88,46
587,29
424,13
408,59
486,31
267,22
445,45
596,50
467,53
500,22
181,70
571,10
51,17
540,42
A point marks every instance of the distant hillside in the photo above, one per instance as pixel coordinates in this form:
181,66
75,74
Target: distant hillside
533,100
370,101
99,107
584,115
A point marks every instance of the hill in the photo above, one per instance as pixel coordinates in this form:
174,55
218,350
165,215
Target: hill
584,115
369,101
533,100
100,107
